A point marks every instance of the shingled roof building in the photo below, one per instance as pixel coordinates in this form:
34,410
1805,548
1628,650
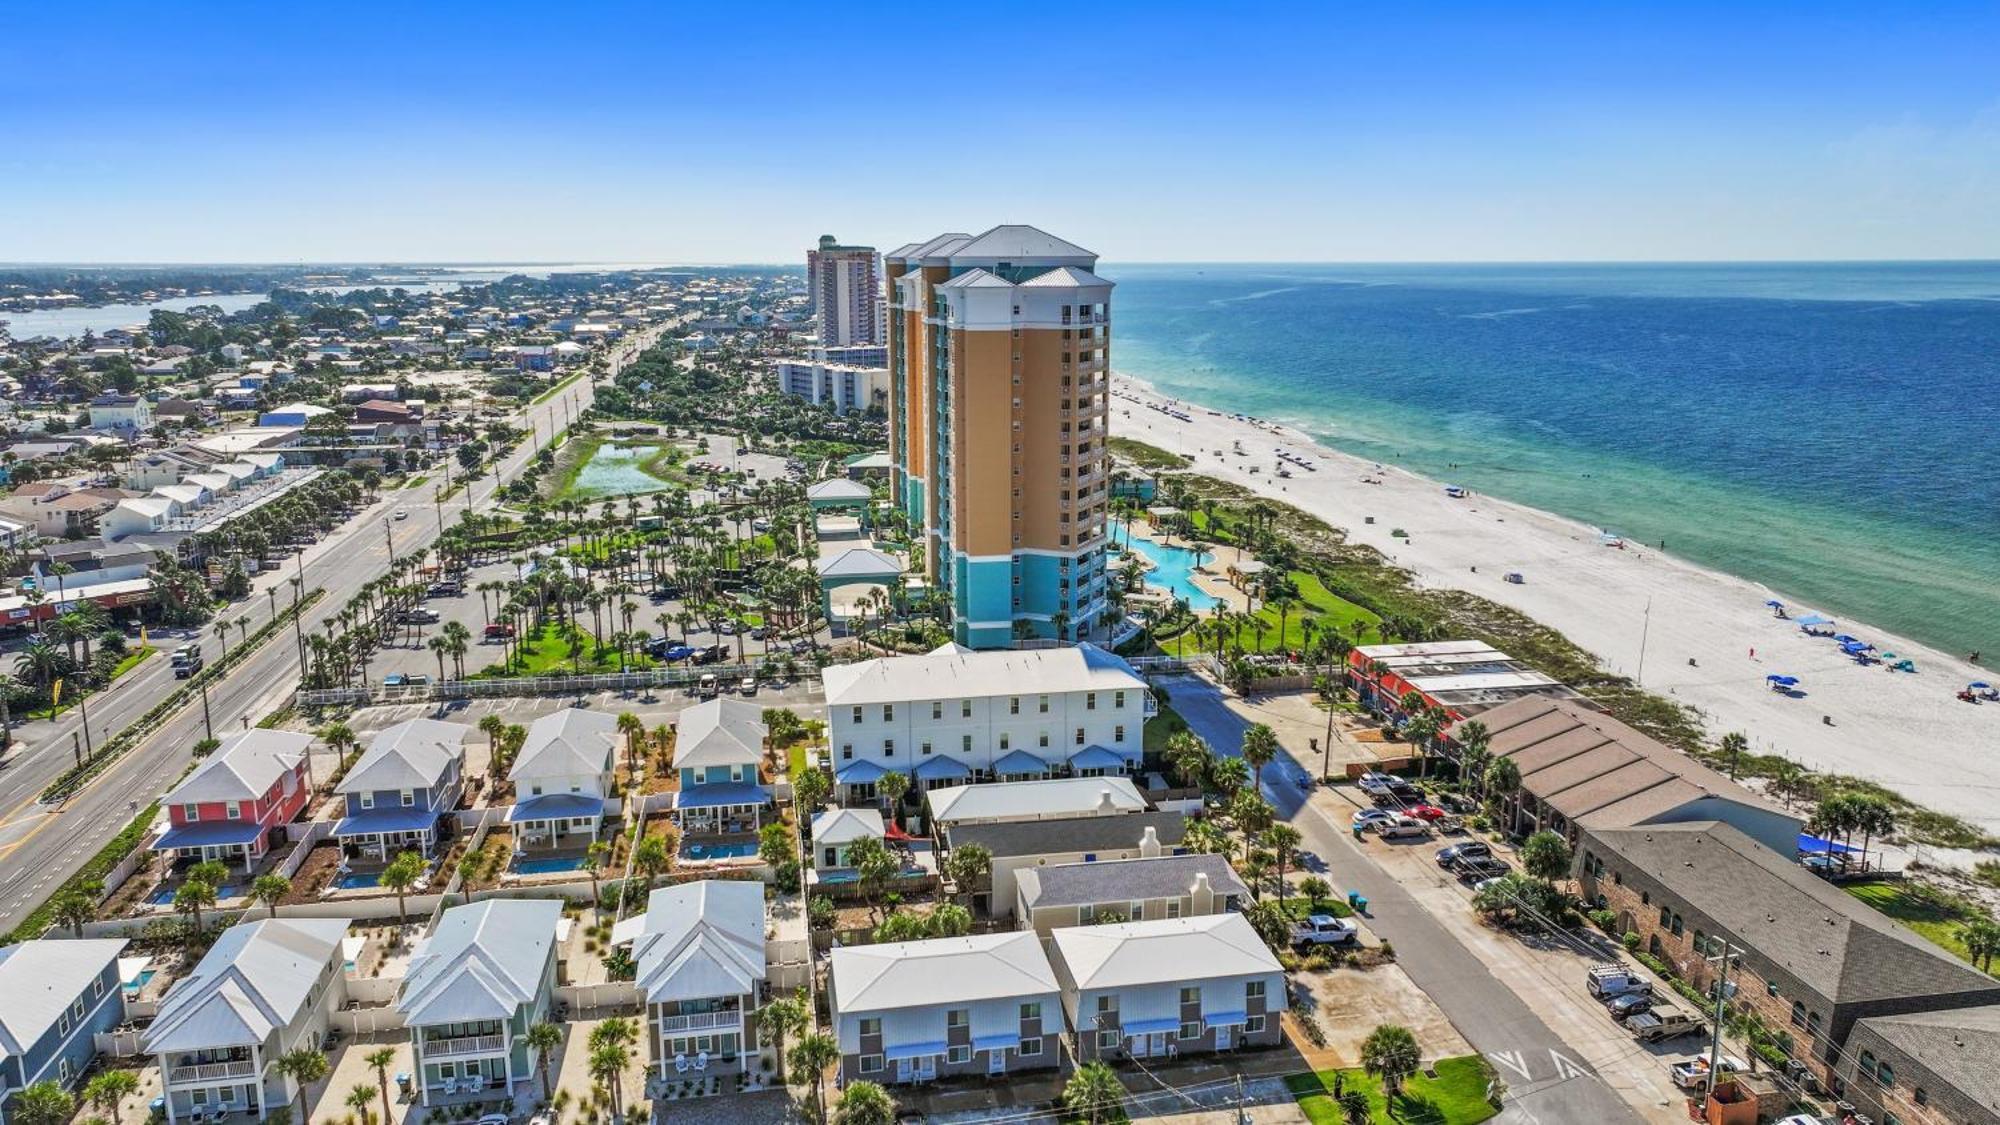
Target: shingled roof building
1581,769
1927,1068
1814,960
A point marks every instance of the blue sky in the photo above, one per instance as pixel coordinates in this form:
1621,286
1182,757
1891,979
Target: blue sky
736,132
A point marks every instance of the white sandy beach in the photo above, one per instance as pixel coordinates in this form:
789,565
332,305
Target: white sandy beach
1908,732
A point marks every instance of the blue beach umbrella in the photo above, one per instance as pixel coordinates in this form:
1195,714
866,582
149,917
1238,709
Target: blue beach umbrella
1775,604
1782,681
1979,685
1843,638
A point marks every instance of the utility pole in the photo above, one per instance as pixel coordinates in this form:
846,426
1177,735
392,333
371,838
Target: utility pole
389,537
83,712
1722,992
1645,627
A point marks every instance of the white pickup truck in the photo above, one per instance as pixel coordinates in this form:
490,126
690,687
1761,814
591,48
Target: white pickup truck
1693,1073
1323,929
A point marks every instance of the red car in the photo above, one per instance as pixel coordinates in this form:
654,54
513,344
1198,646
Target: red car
499,631
1426,812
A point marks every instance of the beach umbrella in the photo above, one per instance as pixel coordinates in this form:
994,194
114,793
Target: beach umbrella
1979,685
1775,603
1888,656
1845,639
1782,681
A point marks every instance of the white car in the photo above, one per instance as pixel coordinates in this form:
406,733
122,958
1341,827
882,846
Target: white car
1370,816
402,513
1375,784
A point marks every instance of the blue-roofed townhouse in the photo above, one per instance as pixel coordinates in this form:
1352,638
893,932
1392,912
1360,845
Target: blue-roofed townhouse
718,748
473,990
263,990
55,996
562,777
411,778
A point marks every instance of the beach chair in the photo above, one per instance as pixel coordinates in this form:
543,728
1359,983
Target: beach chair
450,1086
701,1061
476,1084
680,1064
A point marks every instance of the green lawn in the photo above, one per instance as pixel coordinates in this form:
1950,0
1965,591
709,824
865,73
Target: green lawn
1167,722
795,757
1457,1096
1936,919
1301,908
1143,455
133,657
547,651
1315,601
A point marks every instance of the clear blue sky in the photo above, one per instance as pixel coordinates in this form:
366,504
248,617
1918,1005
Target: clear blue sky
739,132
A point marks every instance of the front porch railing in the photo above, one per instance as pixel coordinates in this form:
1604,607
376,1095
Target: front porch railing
700,1021
212,1072
464,1045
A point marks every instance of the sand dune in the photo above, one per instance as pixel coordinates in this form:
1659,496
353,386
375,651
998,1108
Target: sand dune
1908,732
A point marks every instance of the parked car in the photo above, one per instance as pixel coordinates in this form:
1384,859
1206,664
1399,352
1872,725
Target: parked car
1454,854
708,687
1660,1023
748,686
1630,1004
713,654
1426,812
403,679
417,615
1693,1074
1375,784
500,631
1323,929
1473,871
1366,817
445,589
1607,981
1401,828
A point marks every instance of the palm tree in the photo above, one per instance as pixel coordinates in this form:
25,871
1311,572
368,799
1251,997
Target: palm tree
402,874
1252,815
74,909
109,1088
864,1103
361,1099
810,1058
380,1059
1503,784
543,1039
780,1020
1260,746
651,857
1390,1053
44,1103
1981,938
268,889
1094,1094
1734,746
594,858
194,897
304,1067
1284,841
607,1067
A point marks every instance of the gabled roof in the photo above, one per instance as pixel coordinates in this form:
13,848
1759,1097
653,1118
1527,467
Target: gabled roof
571,742
1838,946
485,961
1066,277
253,980
1165,949
699,940
844,826
839,488
1961,1047
1071,835
977,279
720,732
940,246
949,674
1034,800
40,979
861,562
244,767
1019,240
410,755
938,972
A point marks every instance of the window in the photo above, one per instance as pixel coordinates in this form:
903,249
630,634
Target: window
62,1023
410,796
62,1069
1700,942
857,714
1253,990
1253,1025
927,746
1677,927
1885,1074
1666,917
1090,701
1190,994
1173,908
937,708
1031,1011
1868,1063
1922,1096
965,708
847,751
1106,1004
1118,699
965,743
1191,1029
1045,740
1014,705
1045,705
959,1054
1798,1013
957,1017
871,1064
233,810
871,1025
1030,1047
190,813
1005,740
368,800
888,748
1107,1040
888,712
1118,733
1079,736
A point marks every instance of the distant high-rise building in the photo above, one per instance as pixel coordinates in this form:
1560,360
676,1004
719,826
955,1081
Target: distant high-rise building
846,284
998,378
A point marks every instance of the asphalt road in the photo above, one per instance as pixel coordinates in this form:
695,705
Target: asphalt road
1546,1081
40,846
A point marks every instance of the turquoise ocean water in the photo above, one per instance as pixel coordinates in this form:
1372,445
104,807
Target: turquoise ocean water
1830,430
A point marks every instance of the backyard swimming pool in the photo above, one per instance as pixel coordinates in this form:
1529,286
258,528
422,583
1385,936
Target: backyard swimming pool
137,984
719,851
1173,571
355,880
543,865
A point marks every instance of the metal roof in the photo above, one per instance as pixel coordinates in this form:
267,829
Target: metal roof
720,732
410,755
571,742
954,673
1034,800
1126,880
244,767
699,940
940,971
251,982
41,978
484,961
1162,950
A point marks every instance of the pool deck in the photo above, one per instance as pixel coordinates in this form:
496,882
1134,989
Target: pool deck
1205,577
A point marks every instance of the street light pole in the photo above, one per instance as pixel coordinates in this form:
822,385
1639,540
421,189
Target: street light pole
206,725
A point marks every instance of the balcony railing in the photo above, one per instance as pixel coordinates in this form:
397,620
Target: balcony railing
464,1045
700,1021
212,1072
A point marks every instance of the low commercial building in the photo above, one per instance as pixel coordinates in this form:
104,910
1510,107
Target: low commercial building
1814,961
955,715
1126,890
1170,986
263,990
1018,845
1462,677
1581,769
56,996
917,1011
472,991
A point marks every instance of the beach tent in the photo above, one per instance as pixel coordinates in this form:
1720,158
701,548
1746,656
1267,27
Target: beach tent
1811,843
1845,639
1778,681
1812,619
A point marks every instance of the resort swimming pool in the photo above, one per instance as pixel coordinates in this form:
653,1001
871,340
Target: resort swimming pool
1173,571
719,851
544,865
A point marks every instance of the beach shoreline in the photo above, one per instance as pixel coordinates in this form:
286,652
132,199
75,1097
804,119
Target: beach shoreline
1906,732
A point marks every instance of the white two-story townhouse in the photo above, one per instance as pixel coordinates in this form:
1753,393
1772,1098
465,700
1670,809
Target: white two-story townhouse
262,990
701,956
1168,986
955,715
472,991
916,1011
56,995
562,777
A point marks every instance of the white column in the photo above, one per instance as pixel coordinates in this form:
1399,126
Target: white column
166,1089
263,1091
417,1053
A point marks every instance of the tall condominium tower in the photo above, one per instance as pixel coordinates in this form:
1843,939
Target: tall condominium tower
846,285
998,373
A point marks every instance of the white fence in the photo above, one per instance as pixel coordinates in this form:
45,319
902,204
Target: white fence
638,680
